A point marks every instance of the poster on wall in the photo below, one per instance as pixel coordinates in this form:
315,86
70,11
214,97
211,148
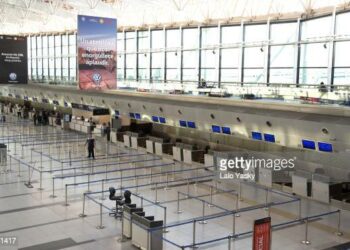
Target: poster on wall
97,52
13,59
262,234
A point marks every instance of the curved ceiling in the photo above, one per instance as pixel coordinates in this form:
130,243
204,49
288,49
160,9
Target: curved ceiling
34,16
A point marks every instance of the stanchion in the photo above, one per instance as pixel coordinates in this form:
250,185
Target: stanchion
266,200
50,157
103,188
178,211
299,208
233,225
22,152
62,168
203,221
164,221
19,169
240,191
339,232
229,242
167,181
237,207
41,180
194,234
31,155
211,197
75,176
83,213
306,241
66,196
188,188
88,183
10,159
53,189
100,226
137,185
41,160
156,194
15,146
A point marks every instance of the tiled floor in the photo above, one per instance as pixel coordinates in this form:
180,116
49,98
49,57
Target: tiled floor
42,222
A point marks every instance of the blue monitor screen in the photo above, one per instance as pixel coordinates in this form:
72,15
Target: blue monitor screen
132,115
226,130
116,113
257,136
191,124
269,138
183,123
325,147
26,98
155,118
215,128
309,144
162,120
137,116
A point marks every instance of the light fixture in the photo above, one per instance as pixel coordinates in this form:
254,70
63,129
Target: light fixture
325,45
261,49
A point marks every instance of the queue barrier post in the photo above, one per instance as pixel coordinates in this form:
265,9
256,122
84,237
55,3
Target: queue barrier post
306,241
164,221
339,232
53,189
101,225
211,197
237,207
178,211
82,215
203,221
66,196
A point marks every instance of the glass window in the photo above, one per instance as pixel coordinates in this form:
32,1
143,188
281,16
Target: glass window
282,75
190,74
313,76
318,27
254,75
283,32
172,74
209,58
190,59
255,33
342,76
229,75
254,57
143,40
342,58
173,39
230,58
209,75
314,55
157,39
120,41
282,56
130,41
190,38
131,61
39,46
231,34
172,60
342,25
209,36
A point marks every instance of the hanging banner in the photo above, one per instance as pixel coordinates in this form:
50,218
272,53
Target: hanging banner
262,234
13,59
97,53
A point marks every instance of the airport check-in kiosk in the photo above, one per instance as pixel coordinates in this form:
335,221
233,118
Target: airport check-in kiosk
301,183
137,141
209,159
143,239
129,209
150,146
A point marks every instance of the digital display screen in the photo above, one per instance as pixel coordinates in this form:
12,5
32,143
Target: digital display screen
226,130
308,144
155,118
216,129
44,100
116,113
162,120
269,138
325,147
191,124
55,102
183,123
137,116
132,115
257,136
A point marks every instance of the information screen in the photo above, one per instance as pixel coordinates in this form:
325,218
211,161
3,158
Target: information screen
13,59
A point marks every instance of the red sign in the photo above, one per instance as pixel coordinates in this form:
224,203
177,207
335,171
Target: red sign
262,234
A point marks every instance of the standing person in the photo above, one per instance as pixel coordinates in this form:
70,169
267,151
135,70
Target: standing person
35,118
108,131
90,142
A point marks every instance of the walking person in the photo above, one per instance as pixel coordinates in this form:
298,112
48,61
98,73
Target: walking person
108,132
90,142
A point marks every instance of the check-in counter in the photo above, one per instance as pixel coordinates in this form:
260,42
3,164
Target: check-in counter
163,148
114,137
143,239
52,121
137,141
190,155
129,209
127,140
150,146
177,152
208,160
301,183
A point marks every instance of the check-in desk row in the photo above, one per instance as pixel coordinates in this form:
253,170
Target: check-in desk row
84,127
158,146
186,153
133,140
136,225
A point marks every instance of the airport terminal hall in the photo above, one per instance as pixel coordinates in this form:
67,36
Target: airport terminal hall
175,124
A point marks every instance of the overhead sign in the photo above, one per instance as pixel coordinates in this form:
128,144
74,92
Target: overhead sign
13,59
262,234
97,53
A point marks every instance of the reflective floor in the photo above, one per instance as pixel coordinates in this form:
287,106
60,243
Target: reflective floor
53,161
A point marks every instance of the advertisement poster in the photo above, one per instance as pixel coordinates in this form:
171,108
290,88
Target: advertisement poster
262,234
97,53
13,59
